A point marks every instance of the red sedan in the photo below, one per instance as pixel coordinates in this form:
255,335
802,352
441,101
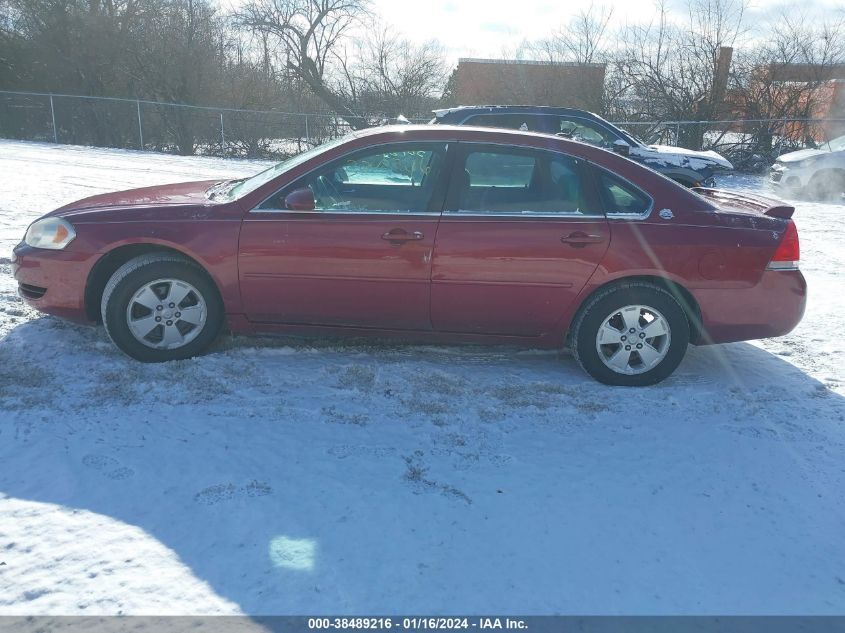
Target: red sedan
431,233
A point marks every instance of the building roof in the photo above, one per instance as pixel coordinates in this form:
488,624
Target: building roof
528,62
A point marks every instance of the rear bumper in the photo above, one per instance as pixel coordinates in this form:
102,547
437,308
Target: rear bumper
771,308
52,281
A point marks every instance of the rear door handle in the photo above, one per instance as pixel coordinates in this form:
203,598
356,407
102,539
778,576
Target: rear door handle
579,239
398,236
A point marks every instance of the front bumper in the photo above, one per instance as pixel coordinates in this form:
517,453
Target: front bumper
782,176
52,281
771,308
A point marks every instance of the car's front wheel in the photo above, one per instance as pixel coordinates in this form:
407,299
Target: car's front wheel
827,186
160,307
633,334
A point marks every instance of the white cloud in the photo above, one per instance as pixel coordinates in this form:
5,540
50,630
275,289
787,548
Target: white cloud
493,28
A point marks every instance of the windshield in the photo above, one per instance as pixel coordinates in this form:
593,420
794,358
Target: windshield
835,145
247,185
632,140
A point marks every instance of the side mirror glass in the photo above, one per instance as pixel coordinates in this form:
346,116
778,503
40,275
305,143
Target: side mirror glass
621,147
300,200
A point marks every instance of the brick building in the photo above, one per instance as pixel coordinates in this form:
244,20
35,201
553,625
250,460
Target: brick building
517,82
828,98
800,90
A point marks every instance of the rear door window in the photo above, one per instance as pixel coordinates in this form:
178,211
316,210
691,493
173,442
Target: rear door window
501,181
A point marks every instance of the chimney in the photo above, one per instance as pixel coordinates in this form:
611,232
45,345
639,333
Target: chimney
720,80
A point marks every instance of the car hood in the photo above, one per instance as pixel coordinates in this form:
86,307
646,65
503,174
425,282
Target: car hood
801,154
669,151
183,193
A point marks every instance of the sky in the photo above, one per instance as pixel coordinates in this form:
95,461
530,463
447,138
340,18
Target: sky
495,28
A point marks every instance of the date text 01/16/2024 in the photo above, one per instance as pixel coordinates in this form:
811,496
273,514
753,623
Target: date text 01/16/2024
417,623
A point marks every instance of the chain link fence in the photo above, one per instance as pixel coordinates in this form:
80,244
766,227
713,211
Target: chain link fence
162,127
750,145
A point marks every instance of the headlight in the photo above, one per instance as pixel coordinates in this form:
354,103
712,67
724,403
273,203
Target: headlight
52,233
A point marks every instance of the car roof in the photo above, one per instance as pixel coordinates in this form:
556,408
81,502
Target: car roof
446,114
425,130
506,109
472,133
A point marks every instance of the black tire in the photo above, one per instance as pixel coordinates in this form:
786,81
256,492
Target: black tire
134,275
591,317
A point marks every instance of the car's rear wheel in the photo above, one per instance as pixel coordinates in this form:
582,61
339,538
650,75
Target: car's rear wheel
161,307
633,334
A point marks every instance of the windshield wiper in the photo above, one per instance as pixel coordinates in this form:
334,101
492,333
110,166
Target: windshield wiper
221,188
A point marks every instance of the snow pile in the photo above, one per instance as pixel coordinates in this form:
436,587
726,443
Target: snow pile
274,477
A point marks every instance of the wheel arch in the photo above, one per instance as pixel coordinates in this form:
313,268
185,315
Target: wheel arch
830,171
108,264
681,294
826,173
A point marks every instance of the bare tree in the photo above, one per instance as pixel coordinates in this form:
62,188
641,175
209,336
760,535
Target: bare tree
582,40
180,59
784,77
307,35
677,72
397,76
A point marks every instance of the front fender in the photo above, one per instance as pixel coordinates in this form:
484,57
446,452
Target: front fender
211,244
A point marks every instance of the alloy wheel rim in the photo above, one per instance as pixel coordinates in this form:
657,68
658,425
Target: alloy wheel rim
166,314
633,340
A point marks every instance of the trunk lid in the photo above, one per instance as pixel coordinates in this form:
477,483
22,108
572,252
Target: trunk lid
746,202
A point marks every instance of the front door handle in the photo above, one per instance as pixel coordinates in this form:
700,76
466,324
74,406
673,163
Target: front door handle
399,236
579,239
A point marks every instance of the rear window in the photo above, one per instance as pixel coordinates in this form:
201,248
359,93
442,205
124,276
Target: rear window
585,131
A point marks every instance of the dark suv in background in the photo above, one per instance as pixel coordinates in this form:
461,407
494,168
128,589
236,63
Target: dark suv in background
688,167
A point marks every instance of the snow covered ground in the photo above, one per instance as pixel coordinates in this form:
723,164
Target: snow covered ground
272,477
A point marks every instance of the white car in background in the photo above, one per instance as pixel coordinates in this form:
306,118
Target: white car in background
819,173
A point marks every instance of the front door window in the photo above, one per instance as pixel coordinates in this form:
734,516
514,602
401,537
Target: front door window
400,179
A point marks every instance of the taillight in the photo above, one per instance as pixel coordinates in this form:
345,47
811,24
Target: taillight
788,251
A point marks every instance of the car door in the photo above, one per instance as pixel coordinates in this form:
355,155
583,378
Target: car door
521,233
362,256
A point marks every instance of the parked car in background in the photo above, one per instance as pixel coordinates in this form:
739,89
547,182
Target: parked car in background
818,173
688,167
427,232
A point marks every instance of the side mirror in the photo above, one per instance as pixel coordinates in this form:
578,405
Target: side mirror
300,200
621,147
